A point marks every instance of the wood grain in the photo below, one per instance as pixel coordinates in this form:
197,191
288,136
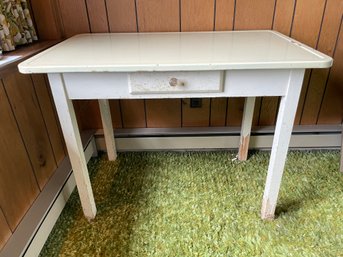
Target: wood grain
88,114
163,113
52,125
25,105
252,14
302,97
307,21
197,15
326,44
5,231
225,11
48,21
257,111
235,108
196,117
74,17
284,13
306,28
133,113
331,111
121,15
157,16
218,112
269,108
18,186
97,15
116,114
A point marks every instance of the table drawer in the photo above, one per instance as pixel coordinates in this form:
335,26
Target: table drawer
175,82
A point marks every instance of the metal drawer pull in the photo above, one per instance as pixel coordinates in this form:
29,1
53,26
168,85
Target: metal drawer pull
175,82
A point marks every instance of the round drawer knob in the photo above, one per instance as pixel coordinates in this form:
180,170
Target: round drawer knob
175,82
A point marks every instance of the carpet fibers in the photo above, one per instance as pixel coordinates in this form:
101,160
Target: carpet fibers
204,204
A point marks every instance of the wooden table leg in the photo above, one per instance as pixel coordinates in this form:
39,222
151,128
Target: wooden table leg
108,129
246,128
66,114
282,136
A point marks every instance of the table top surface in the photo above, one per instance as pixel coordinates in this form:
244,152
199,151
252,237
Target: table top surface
131,52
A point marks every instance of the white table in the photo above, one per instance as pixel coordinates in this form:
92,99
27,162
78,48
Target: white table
177,65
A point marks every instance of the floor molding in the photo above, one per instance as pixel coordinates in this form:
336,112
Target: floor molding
303,137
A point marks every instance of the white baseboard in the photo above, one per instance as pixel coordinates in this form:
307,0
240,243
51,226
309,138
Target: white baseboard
303,137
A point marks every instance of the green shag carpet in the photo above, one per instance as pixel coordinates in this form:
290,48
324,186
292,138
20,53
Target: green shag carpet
204,204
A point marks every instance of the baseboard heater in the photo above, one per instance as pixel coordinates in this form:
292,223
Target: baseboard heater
219,138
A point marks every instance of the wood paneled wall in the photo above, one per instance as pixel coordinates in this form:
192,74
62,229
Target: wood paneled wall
31,144
317,23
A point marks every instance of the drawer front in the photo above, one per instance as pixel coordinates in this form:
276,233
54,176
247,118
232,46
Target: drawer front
175,82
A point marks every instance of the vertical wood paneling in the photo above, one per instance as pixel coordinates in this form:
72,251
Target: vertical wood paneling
306,27
332,107
326,44
235,107
196,117
88,113
218,112
257,111
97,16
74,17
18,186
268,113
163,113
156,15
47,17
121,15
51,123
284,11
133,113
197,15
5,231
252,14
224,14
115,113
307,20
28,115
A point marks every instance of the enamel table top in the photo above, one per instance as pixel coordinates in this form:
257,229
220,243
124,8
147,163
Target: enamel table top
131,52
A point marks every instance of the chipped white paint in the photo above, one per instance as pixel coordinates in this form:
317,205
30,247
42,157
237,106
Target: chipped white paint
248,114
66,115
282,136
115,66
240,83
175,82
106,119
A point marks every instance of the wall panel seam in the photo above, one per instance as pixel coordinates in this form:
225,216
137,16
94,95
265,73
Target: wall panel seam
21,136
327,79
43,118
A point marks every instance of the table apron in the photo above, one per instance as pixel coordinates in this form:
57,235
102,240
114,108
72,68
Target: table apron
236,83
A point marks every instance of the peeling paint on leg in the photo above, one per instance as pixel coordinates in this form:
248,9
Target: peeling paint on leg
243,148
268,210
